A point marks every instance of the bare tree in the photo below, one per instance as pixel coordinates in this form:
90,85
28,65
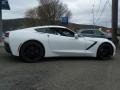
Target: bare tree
49,11
32,13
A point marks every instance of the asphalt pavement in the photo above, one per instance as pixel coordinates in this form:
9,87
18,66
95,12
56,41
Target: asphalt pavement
59,73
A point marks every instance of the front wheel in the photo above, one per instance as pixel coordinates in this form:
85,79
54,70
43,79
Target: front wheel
105,51
32,52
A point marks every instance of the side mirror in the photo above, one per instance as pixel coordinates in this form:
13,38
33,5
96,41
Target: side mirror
76,36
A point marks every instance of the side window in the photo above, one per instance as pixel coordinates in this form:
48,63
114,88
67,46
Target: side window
42,30
99,33
56,31
61,31
66,32
87,32
53,31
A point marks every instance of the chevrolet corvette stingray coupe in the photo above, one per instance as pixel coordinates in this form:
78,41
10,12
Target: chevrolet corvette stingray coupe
33,44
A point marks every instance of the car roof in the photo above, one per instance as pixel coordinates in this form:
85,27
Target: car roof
88,29
52,26
81,30
49,26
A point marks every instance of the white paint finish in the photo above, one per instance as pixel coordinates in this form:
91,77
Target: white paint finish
55,45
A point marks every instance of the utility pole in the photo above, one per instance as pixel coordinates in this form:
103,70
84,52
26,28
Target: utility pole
93,18
114,21
4,5
0,17
93,12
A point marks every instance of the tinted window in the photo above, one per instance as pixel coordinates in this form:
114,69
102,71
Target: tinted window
66,32
52,31
56,31
88,32
63,32
99,32
43,30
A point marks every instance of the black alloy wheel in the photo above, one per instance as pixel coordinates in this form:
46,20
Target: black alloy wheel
32,52
105,51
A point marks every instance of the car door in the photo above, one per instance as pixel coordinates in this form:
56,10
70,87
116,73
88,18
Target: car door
62,42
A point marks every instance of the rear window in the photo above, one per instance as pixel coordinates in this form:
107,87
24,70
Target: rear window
43,30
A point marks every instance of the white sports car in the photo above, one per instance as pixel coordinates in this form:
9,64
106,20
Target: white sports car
32,44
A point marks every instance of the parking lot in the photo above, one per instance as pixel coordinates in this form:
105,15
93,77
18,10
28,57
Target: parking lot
59,73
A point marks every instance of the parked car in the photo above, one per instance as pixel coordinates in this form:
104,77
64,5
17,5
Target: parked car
32,44
94,33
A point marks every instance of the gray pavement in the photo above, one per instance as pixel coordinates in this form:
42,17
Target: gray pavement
59,73
1,44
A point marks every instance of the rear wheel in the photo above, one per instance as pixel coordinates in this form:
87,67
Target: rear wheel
32,51
105,51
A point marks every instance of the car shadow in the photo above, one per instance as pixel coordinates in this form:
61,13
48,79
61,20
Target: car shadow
54,59
73,59
9,58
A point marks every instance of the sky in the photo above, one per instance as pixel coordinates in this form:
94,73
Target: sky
81,10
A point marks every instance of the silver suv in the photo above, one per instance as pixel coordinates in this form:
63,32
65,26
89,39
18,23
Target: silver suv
94,33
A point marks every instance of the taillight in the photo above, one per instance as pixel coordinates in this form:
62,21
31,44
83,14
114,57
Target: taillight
7,34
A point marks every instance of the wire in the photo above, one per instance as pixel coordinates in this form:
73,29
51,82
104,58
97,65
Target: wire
99,6
105,5
93,12
109,3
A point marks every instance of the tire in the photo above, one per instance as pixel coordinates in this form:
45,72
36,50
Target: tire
105,51
32,52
